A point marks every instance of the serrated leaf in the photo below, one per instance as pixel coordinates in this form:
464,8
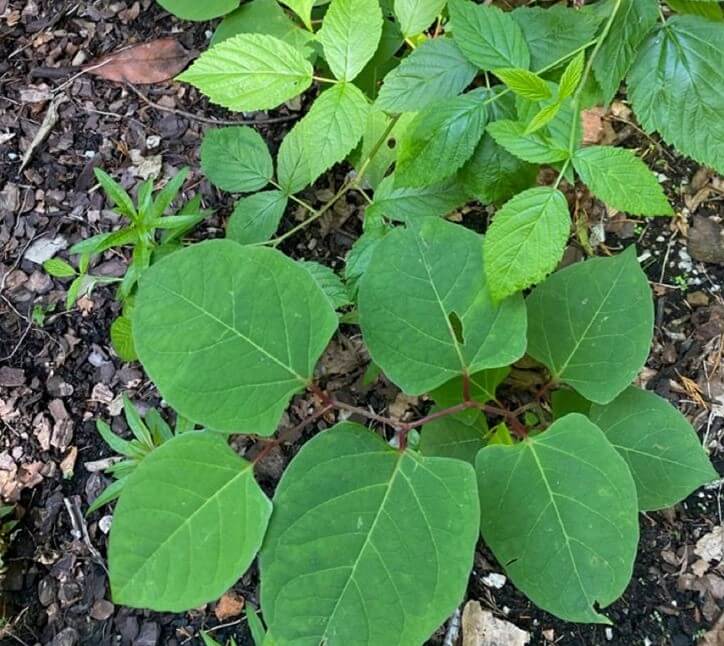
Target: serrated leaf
553,32
621,180
350,33
405,203
634,20
250,72
349,515
329,282
459,436
438,266
659,445
493,175
542,118
303,9
436,70
229,333
592,323
488,37
415,16
571,76
59,268
194,10
236,159
524,83
439,140
526,240
709,9
675,87
171,505
122,339
533,147
256,217
323,137
559,512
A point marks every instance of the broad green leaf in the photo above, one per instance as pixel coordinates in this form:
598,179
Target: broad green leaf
415,16
447,323
483,385
256,217
236,159
349,35
303,9
351,514
659,445
675,87
250,72
591,324
533,147
459,436
329,282
59,268
565,401
524,83
436,70
169,550
621,180
324,136
262,17
439,140
526,240
404,203
554,32
229,333
571,76
359,257
559,512
634,20
122,339
493,175
195,10
488,37
705,8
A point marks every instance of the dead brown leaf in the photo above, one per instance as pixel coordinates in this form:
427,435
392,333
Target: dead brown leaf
152,62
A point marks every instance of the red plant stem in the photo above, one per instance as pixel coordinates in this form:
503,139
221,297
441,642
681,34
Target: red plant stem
466,387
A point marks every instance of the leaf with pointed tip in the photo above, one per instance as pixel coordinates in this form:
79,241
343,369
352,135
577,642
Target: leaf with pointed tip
229,333
350,516
171,505
532,147
661,448
524,83
415,16
559,512
236,159
303,9
256,217
447,323
592,323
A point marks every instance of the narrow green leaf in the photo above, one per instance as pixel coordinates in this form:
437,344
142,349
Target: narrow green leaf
122,339
439,140
168,194
171,505
542,118
621,180
559,512
329,282
533,147
59,268
135,423
236,159
200,11
256,217
458,436
436,70
571,76
256,628
108,495
415,16
488,37
526,240
116,193
439,267
118,444
524,83
350,516
659,445
350,33
250,72
592,323
229,333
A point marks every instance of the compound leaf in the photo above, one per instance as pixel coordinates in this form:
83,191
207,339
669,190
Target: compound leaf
659,445
195,10
439,140
436,70
531,147
256,217
526,240
675,86
592,323
488,36
559,512
250,72
415,16
229,333
171,505
621,180
236,159
350,516
446,324
349,35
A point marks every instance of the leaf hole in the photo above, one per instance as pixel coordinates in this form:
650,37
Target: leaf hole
457,327
391,143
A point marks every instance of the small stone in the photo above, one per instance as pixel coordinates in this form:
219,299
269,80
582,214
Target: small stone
706,241
66,637
229,606
609,634
11,377
482,628
710,547
102,610
494,580
57,387
44,249
39,283
150,632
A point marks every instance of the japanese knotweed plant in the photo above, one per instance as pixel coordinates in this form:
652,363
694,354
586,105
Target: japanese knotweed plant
435,105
